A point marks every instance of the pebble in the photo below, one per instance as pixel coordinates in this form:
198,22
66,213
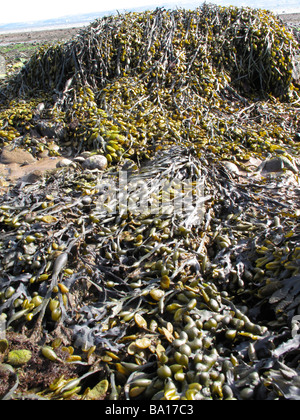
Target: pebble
65,163
231,167
79,159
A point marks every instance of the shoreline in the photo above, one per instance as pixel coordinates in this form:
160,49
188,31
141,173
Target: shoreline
30,37
63,34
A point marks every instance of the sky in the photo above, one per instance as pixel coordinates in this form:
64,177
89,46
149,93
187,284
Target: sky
13,11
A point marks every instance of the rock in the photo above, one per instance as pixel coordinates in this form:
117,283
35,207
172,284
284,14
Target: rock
19,156
79,159
28,174
296,68
95,162
32,178
86,154
231,167
65,163
40,108
273,165
278,164
86,201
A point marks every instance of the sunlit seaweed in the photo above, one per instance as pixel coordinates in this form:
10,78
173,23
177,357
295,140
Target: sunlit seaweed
157,305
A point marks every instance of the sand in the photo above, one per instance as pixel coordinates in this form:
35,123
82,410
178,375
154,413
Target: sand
38,37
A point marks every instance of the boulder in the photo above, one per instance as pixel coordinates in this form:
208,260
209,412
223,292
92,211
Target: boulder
10,155
278,164
98,162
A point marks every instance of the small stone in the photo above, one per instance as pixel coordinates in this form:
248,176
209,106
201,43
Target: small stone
40,108
95,162
65,163
231,167
86,201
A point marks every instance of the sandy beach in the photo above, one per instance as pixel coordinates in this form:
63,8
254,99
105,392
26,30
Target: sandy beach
38,36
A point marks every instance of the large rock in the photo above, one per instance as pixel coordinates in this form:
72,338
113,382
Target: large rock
19,156
95,162
279,164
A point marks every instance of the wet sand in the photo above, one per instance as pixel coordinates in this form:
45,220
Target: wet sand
38,37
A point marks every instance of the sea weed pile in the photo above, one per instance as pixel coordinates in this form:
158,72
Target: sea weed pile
170,275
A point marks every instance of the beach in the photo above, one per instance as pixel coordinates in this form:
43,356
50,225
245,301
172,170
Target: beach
54,35
51,35
291,18
149,208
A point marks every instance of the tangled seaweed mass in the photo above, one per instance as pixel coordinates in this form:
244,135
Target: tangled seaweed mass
118,300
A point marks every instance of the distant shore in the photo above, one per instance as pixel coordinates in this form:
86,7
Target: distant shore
39,37
291,18
64,34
